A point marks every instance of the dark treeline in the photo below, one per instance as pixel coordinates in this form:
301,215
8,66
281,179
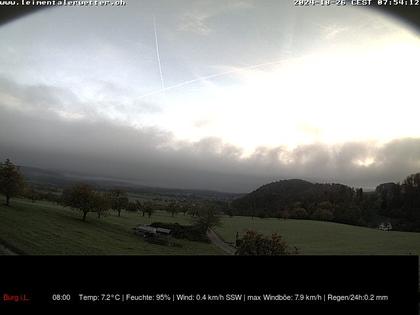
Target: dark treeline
397,203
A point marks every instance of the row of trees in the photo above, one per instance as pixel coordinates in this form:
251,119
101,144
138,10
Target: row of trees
86,198
401,202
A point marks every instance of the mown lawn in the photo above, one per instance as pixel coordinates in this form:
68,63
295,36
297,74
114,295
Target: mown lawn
44,228
326,238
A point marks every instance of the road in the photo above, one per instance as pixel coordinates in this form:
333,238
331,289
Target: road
216,240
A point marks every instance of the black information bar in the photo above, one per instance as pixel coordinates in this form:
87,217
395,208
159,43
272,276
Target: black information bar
385,284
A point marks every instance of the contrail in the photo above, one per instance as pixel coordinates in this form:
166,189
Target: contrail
211,76
158,54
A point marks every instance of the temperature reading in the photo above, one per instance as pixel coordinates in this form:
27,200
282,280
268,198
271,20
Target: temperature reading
110,297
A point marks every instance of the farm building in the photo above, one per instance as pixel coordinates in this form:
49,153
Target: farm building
385,226
149,231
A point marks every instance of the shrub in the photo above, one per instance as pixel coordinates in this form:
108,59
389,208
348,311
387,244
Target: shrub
255,244
298,213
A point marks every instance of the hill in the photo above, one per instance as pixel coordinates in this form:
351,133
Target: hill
58,179
394,204
44,228
285,197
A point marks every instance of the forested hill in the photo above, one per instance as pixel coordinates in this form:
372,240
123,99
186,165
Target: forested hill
398,203
292,197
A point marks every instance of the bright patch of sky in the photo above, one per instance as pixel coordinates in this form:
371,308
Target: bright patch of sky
252,73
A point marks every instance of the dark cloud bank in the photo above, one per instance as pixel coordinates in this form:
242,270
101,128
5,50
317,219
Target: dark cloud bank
33,134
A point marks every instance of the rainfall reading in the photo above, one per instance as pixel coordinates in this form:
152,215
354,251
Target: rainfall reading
180,298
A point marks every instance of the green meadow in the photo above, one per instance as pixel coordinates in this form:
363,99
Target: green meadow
326,238
43,228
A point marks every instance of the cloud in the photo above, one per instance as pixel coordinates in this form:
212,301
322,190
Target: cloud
332,31
195,23
197,19
65,104
39,136
33,97
81,107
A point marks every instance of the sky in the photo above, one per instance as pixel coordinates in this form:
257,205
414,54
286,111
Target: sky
220,95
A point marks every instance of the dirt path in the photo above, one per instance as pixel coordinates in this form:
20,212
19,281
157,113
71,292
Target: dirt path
216,240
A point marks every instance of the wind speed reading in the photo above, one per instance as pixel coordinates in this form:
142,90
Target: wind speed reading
180,298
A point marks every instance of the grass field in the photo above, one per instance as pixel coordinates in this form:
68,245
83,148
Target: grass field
326,238
46,229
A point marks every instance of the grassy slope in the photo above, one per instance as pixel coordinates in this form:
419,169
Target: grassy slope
44,228
325,238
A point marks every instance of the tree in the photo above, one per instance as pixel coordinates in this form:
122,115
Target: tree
100,203
140,207
323,211
348,214
149,208
80,197
410,193
359,195
284,214
31,193
11,180
298,213
193,209
369,208
172,208
389,195
256,244
206,218
322,215
229,210
119,200
132,207
184,208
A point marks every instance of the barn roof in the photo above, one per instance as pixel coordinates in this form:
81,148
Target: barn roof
151,229
145,228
